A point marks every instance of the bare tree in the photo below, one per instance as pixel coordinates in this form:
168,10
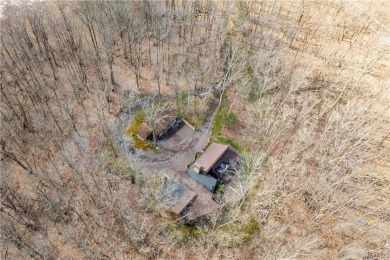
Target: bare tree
154,115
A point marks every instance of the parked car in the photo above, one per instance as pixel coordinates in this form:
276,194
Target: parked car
223,168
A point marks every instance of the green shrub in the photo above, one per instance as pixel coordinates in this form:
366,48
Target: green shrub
140,117
224,117
231,119
220,187
197,155
183,233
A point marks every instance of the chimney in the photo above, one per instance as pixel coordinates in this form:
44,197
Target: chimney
196,167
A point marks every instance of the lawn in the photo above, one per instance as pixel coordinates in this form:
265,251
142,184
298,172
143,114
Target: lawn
224,119
131,131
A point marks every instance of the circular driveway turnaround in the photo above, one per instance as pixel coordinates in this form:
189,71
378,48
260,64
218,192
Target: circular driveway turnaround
178,150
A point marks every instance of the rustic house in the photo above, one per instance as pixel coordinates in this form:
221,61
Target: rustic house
211,167
206,180
164,123
201,206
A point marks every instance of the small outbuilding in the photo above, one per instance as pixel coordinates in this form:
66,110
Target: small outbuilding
164,123
144,131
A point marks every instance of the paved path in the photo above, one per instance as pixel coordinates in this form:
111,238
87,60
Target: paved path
177,151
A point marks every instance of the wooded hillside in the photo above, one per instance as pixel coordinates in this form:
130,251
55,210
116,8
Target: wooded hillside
304,96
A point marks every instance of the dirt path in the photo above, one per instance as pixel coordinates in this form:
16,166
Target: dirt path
177,151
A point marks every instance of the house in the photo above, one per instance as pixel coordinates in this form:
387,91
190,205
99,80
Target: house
206,180
164,123
202,178
211,167
202,205
210,156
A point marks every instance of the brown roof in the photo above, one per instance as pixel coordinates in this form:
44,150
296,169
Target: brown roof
211,156
195,186
166,119
201,207
180,206
144,131
203,203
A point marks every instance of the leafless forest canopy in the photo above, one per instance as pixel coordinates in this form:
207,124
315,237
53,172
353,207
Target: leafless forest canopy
308,80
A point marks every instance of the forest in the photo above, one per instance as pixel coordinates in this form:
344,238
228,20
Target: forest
301,90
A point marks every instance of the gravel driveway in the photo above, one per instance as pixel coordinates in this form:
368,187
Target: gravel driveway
177,151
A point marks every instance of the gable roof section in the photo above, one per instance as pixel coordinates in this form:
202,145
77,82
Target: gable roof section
144,131
166,119
211,156
183,203
206,180
201,207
